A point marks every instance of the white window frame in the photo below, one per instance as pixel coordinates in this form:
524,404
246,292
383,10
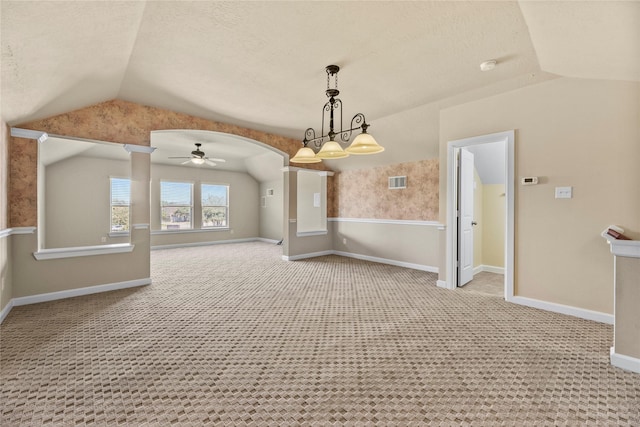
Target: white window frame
203,206
191,206
112,232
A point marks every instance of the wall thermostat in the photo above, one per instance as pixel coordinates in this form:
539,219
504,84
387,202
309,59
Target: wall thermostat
529,180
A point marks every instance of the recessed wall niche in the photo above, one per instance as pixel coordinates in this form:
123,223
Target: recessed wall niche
74,193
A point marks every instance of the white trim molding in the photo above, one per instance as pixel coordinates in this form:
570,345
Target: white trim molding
305,256
582,313
625,248
5,311
141,226
624,362
299,169
70,293
265,240
421,267
29,134
311,233
57,253
16,230
441,284
188,230
488,269
214,242
133,148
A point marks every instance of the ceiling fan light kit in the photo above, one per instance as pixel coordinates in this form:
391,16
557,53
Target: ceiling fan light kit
199,158
331,149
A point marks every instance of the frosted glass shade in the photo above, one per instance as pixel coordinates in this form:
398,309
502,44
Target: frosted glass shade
305,155
332,150
197,161
364,144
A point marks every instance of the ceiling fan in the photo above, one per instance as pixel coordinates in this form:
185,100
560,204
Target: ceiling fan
197,157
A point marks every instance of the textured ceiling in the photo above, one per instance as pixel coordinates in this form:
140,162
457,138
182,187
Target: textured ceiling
261,64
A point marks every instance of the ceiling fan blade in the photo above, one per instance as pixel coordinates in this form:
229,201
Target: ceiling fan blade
209,162
216,160
183,157
184,163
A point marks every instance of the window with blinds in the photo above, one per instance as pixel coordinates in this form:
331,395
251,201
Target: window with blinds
215,205
176,204
120,204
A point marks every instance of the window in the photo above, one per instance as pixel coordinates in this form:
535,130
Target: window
176,202
215,206
120,204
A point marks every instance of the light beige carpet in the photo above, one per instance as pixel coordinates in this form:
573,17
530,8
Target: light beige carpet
234,336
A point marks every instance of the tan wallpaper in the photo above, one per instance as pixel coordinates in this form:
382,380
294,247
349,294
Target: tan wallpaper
115,121
364,193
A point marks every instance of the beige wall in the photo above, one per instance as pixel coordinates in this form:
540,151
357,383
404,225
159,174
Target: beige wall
271,215
569,132
294,246
311,217
402,243
77,201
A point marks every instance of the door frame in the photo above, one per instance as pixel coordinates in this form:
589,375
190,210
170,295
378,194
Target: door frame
508,137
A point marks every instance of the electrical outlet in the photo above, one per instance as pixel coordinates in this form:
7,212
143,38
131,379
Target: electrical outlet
104,239
344,240
564,192
231,231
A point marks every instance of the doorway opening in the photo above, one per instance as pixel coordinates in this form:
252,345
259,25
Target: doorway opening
494,149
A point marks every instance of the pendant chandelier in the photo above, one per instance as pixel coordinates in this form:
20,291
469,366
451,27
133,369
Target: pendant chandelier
364,143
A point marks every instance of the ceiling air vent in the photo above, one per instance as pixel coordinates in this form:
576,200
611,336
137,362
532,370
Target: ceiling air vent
397,182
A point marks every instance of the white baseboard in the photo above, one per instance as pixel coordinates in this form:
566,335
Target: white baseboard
5,311
214,242
582,313
421,267
364,258
488,269
442,284
52,296
262,239
305,256
624,362
493,269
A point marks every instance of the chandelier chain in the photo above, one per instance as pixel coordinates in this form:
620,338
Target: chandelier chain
335,76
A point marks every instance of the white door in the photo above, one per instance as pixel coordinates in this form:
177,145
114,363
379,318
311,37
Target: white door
465,218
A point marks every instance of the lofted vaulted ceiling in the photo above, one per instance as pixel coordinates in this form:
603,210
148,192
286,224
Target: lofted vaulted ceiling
261,65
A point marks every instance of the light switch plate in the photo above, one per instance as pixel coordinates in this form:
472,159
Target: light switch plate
564,192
